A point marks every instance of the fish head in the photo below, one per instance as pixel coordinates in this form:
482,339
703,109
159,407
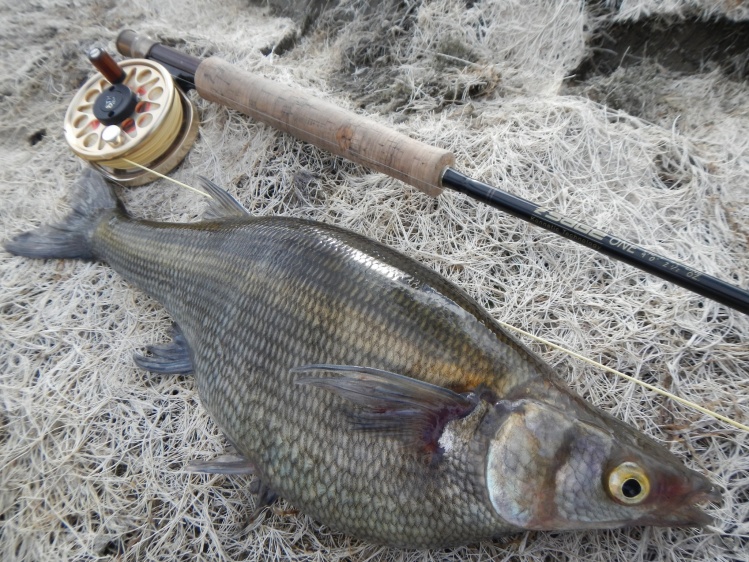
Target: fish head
549,470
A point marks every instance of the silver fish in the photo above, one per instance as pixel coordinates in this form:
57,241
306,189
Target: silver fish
367,390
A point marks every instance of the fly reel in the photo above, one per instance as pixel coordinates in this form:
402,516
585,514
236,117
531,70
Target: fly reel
130,113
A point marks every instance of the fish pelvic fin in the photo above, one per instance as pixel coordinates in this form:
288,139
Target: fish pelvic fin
413,411
222,206
167,359
91,198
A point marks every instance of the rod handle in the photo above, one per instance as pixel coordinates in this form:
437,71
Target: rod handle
328,127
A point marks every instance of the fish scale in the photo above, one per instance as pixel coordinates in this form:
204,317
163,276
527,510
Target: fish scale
423,423
264,284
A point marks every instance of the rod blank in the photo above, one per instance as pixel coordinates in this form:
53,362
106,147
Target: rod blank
675,272
367,142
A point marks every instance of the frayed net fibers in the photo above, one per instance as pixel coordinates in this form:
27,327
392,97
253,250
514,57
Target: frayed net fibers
93,450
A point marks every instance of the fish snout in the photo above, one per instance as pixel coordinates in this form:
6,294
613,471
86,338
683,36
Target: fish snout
679,501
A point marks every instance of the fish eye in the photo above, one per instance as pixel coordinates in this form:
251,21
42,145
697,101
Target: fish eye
628,484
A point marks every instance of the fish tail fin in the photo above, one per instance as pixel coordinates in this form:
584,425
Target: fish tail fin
71,238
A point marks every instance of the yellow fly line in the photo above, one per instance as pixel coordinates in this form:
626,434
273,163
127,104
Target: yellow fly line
655,389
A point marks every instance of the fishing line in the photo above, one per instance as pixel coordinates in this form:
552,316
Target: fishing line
133,114
154,172
574,354
655,389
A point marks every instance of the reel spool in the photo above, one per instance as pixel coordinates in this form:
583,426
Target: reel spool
130,111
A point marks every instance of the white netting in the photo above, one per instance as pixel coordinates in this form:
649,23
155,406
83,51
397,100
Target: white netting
92,450
705,9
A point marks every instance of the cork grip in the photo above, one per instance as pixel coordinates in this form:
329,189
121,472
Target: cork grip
318,122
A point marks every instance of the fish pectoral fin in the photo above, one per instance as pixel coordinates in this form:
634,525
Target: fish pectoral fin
414,411
223,464
222,205
167,359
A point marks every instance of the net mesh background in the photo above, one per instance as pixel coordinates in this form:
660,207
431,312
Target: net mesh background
93,450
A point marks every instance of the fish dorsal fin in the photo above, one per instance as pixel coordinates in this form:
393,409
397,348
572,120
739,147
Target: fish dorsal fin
222,205
412,410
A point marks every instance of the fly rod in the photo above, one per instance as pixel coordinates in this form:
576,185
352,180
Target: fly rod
382,149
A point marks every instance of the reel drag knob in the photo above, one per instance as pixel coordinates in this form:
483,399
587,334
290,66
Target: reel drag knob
127,115
115,104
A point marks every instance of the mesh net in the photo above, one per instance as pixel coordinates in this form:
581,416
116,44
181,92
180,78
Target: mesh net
93,450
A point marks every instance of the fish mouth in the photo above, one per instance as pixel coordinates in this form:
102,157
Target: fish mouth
692,516
689,512
712,495
679,502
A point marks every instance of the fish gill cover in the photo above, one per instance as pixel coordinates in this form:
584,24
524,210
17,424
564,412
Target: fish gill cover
92,449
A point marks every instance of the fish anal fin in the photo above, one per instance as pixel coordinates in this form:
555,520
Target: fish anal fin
223,464
222,205
264,497
233,464
414,411
167,359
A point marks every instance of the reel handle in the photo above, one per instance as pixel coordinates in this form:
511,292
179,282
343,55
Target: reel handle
106,65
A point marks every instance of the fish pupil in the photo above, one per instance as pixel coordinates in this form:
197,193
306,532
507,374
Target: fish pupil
631,488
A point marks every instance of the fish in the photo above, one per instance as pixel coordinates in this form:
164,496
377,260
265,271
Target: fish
364,388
